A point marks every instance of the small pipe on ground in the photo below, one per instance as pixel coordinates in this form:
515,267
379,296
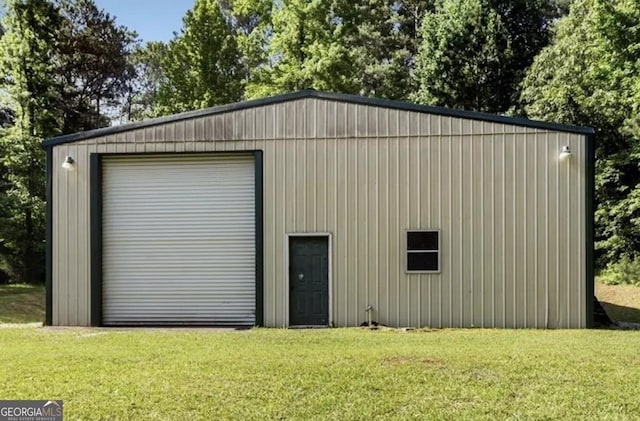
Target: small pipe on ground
369,310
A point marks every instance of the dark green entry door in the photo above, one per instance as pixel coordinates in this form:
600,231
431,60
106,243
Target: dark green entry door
308,281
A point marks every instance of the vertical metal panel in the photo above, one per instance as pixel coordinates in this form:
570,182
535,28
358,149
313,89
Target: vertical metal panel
510,214
372,238
520,231
435,290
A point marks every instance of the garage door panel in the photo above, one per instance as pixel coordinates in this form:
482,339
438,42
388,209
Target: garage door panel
179,240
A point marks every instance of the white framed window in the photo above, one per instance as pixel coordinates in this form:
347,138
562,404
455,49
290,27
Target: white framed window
423,251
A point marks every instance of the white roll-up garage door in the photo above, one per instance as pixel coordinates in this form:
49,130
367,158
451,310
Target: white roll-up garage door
178,239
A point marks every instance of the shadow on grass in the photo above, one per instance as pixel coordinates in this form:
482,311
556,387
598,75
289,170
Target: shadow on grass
621,313
19,289
22,303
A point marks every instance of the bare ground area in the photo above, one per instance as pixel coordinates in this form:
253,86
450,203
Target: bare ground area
621,302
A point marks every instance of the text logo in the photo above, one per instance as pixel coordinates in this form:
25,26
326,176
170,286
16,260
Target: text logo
30,410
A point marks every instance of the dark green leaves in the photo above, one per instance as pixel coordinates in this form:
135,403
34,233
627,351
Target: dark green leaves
202,65
474,52
590,76
64,66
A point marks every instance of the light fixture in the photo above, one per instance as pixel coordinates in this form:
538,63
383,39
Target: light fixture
565,153
69,163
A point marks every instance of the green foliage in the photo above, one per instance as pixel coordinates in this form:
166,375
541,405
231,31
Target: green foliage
307,49
562,6
363,46
22,207
202,64
461,61
27,63
251,24
385,46
474,52
142,98
93,64
528,29
62,63
590,76
626,271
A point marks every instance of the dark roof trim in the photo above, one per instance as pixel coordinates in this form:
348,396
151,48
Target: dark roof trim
353,99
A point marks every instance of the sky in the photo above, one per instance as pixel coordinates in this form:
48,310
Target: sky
153,20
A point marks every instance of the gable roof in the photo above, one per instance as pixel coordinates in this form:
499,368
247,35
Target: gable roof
352,99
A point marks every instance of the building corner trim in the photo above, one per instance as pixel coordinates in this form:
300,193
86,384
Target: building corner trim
259,238
96,238
590,228
49,238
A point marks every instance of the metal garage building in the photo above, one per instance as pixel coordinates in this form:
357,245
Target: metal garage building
307,208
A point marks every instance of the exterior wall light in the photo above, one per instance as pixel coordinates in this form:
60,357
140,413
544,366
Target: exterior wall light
565,153
69,163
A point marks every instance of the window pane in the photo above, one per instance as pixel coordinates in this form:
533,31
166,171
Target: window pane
417,240
422,261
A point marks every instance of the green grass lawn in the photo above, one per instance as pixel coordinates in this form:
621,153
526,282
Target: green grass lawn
321,374
21,303
325,374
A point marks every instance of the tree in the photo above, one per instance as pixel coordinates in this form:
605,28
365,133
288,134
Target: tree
590,75
250,21
385,45
27,62
562,6
393,61
474,52
94,64
528,26
202,65
142,95
358,46
63,64
461,60
307,49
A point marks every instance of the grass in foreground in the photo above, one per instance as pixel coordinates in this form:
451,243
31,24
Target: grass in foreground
20,303
621,302
325,374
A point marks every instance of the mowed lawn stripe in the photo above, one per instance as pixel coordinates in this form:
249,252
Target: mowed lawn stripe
325,374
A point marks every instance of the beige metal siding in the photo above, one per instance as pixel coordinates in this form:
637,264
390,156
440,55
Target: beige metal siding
178,239
511,215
